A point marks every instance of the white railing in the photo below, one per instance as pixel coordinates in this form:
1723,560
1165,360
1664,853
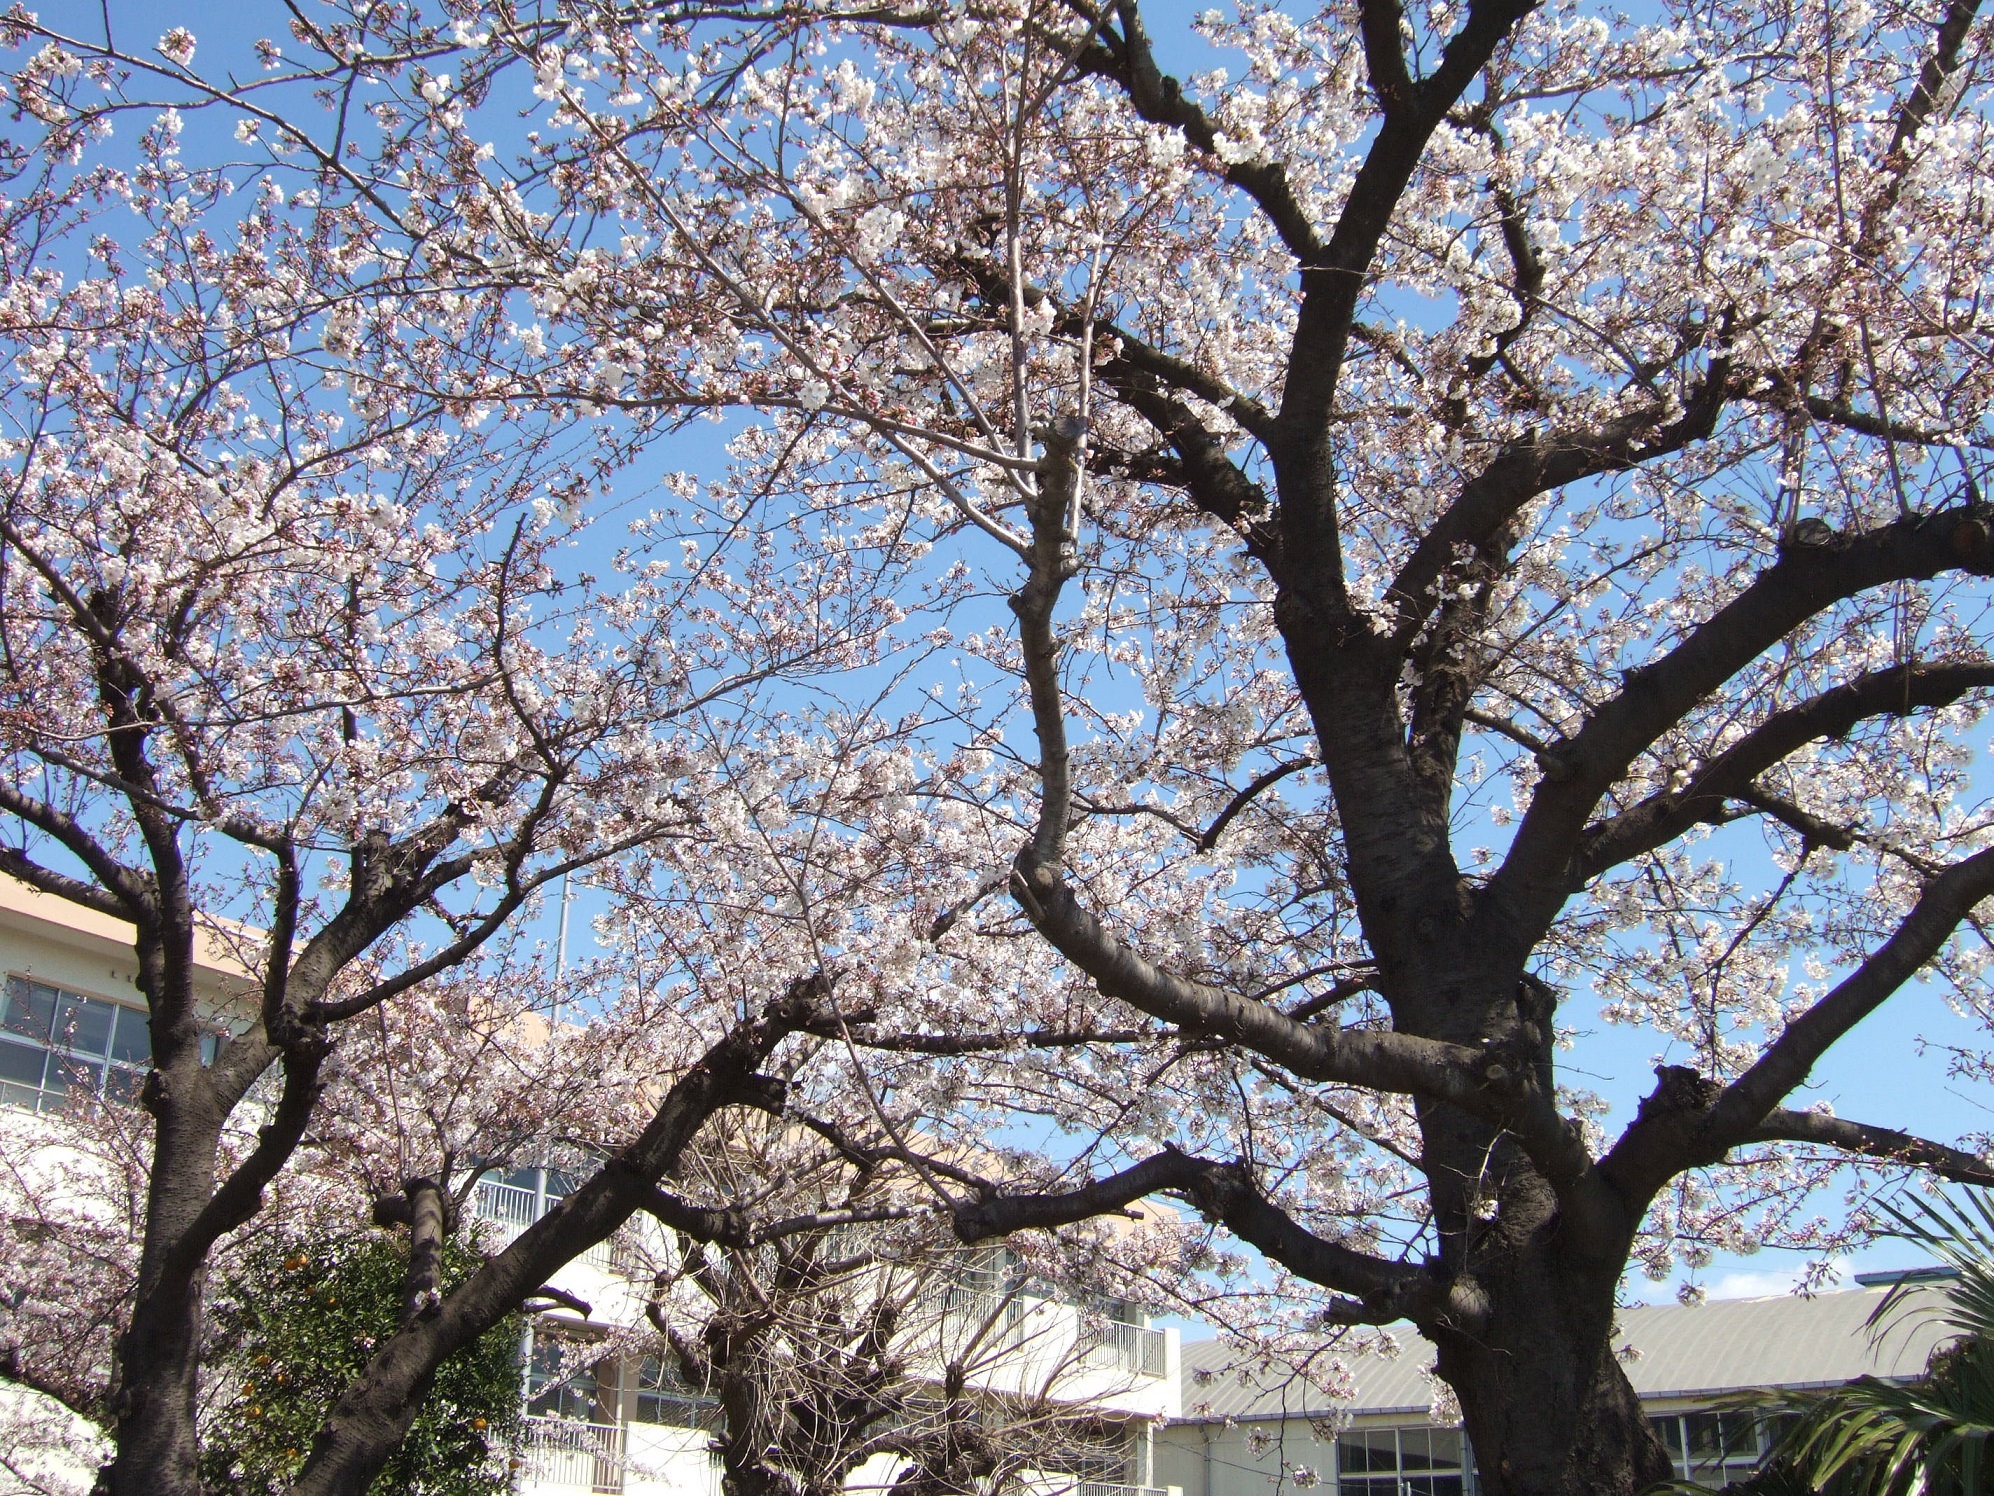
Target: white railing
1128,1347
1105,1488
513,1207
507,1206
562,1455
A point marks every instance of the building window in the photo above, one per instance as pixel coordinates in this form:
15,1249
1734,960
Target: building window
556,1387
1102,1457
663,1398
53,1041
1712,1448
1401,1462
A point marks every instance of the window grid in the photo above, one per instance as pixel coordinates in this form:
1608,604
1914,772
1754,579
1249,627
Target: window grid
1419,1461
1712,1448
53,1041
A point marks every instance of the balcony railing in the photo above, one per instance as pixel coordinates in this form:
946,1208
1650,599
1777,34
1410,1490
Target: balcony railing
512,1208
562,1455
507,1206
1127,1347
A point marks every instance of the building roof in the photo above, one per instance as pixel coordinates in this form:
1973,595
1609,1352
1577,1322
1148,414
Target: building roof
220,946
1725,1345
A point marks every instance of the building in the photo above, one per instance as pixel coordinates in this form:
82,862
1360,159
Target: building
69,1019
628,1425
1253,1430
69,1016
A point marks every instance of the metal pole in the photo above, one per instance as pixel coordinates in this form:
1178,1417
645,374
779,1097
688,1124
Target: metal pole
560,952
561,938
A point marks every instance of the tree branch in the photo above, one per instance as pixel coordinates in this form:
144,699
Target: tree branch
1690,1118
1662,817
1538,463
956,1044
1946,901
1868,1141
1129,60
1259,784
1806,579
132,893
1497,1083
1227,1194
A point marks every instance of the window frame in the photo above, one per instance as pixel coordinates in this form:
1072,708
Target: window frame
1430,1479
109,1078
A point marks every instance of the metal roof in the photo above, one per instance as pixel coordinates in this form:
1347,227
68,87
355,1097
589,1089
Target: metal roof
1679,1350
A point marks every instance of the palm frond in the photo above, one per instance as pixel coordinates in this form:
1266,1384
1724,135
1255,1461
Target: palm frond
1930,1436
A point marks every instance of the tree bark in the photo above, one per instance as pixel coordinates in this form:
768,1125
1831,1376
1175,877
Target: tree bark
1549,1411
156,1381
158,1371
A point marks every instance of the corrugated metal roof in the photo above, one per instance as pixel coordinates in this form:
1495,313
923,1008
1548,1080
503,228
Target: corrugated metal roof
1683,1350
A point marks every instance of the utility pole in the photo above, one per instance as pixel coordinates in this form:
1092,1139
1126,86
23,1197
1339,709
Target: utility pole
561,949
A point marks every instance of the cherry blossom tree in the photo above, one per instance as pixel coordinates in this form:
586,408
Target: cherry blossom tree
807,1283
1490,422
1479,506
298,673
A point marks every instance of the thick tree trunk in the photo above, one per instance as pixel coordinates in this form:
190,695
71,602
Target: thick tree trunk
158,1373
1548,1409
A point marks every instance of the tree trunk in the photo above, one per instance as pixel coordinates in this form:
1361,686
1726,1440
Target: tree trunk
158,1371
1548,1409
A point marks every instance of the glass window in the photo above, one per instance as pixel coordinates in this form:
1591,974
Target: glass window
83,1024
51,1040
132,1044
30,1009
1712,1447
1373,1449
1101,1456
21,1071
1418,1461
559,1386
663,1398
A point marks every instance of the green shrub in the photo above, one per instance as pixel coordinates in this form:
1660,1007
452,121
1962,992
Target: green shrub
297,1319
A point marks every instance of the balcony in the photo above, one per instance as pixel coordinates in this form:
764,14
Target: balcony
562,1455
1131,1348
509,1207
